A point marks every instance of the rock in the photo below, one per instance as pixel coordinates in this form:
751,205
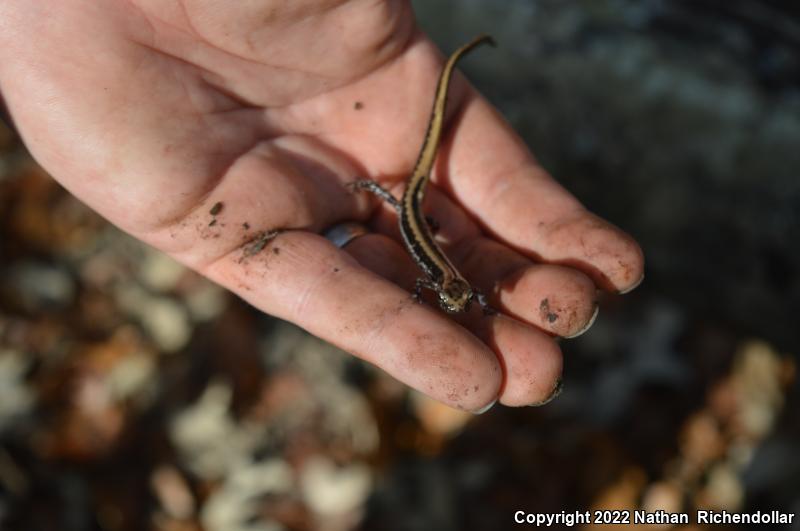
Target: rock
16,398
209,440
40,286
206,301
172,491
164,319
330,490
663,496
235,506
160,272
167,322
723,490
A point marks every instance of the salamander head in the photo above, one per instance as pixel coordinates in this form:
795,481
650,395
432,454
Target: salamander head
456,296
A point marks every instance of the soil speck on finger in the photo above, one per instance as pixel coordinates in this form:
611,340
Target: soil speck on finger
257,244
546,313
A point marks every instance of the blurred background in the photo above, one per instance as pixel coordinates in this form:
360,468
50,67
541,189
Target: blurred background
136,395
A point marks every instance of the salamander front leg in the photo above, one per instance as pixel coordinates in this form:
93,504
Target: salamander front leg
432,224
481,298
374,188
421,283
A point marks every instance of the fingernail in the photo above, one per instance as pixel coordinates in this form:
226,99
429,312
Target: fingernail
485,408
633,287
588,325
556,391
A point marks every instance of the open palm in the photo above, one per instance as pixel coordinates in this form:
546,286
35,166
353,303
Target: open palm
200,126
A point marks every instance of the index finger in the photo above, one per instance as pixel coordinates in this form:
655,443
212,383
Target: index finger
487,167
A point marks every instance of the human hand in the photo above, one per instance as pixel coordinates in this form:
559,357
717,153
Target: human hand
153,112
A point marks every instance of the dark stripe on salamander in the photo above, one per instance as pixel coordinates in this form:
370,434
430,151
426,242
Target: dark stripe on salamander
413,226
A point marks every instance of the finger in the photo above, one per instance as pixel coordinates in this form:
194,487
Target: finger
557,299
491,172
303,278
560,300
531,360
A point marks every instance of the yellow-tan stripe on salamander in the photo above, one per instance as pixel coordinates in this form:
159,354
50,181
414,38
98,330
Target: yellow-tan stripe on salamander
454,292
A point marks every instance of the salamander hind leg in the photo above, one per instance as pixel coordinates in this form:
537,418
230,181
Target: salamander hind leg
432,224
373,188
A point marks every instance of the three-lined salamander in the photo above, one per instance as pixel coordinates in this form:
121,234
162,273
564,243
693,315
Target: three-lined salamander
454,292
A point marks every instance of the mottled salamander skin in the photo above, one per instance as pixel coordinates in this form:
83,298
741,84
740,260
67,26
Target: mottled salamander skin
454,292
